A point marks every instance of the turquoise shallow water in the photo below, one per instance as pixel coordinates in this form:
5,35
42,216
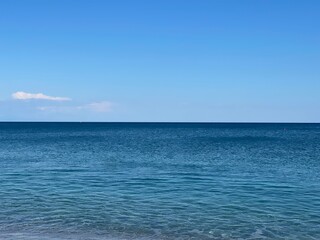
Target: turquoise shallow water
159,181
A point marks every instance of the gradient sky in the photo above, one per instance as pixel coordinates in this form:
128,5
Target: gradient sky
168,60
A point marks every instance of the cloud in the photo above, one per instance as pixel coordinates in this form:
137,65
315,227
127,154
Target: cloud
49,108
99,107
38,96
103,106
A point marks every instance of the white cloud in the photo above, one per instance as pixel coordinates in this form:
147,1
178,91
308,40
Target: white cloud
99,107
51,108
103,106
39,96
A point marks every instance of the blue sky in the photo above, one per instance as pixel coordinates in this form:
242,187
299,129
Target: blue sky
177,60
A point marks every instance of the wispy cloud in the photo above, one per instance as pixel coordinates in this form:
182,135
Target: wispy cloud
99,107
51,108
103,106
38,96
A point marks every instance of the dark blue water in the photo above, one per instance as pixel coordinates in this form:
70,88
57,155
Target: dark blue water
159,181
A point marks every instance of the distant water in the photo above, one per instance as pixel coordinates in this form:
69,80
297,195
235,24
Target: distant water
159,181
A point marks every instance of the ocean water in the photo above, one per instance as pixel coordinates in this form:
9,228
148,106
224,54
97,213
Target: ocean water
159,181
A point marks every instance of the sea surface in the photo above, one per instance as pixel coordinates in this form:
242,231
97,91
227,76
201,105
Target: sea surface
159,181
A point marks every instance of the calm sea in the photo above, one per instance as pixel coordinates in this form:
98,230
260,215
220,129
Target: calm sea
159,181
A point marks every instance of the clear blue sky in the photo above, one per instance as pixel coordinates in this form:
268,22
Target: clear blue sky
177,60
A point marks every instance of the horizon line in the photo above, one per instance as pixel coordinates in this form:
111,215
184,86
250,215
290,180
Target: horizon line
164,122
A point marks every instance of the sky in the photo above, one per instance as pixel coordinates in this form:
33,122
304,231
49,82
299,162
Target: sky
163,61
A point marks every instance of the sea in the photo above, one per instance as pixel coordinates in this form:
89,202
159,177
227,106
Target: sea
94,181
